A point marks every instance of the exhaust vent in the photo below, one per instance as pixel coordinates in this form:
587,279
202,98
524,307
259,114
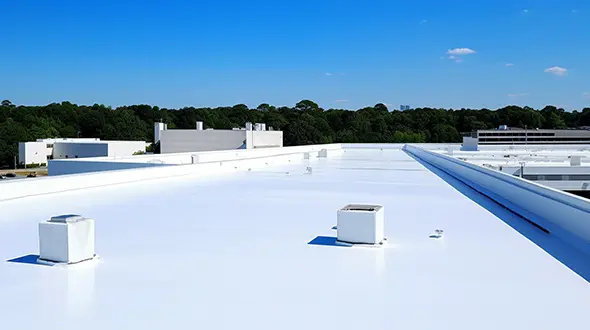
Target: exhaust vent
361,224
66,239
575,160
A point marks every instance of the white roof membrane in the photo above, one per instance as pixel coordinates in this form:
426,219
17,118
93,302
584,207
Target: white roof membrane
255,250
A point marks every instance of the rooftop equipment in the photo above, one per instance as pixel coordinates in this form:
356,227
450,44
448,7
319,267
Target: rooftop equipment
66,239
575,160
361,224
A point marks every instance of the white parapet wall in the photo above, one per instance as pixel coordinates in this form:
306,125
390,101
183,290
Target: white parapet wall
564,215
210,163
266,139
74,166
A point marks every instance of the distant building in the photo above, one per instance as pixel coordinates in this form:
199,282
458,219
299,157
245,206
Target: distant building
404,107
506,135
42,150
193,140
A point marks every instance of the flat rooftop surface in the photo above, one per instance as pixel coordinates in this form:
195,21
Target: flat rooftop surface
254,250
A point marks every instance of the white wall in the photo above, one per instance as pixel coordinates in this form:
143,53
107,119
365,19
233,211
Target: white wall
32,152
63,150
67,150
66,166
231,155
470,144
247,159
266,139
158,128
180,140
124,148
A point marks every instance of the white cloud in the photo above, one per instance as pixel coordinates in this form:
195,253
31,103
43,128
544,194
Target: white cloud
508,64
525,11
517,94
341,101
461,51
557,70
329,73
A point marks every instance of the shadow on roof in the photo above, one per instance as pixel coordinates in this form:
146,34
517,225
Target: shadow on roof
568,255
326,241
28,259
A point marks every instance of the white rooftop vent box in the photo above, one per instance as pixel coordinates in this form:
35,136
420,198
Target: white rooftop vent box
361,224
66,239
323,153
575,160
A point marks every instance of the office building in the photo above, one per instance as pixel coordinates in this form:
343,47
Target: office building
506,135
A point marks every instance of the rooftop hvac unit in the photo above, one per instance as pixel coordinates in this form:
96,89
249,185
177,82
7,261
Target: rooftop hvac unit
361,224
66,239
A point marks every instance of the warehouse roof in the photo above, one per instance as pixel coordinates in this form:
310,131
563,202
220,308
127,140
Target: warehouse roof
255,249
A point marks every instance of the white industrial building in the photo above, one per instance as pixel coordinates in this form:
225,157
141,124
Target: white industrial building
193,140
42,150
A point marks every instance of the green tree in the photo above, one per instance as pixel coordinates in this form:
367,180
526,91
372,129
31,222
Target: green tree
305,123
306,105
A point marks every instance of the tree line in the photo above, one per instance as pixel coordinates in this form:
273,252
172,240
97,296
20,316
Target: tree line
305,123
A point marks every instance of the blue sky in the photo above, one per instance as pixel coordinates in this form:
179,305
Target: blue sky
345,54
